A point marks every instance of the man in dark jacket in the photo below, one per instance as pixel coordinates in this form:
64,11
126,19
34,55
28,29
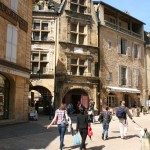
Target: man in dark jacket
82,126
106,118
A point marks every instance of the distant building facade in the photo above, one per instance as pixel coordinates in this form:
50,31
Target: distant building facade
15,39
122,57
147,40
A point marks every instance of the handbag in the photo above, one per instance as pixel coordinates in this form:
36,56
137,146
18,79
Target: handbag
76,140
66,119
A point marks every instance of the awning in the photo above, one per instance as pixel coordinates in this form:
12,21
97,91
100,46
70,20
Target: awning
122,89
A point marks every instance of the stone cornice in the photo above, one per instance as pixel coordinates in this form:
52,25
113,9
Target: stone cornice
69,43
12,68
12,17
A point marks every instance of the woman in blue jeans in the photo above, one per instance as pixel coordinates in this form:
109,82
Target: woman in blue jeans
106,115
60,119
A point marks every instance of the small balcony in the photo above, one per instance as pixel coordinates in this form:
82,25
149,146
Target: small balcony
117,27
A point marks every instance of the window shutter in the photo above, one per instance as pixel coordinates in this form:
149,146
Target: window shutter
136,77
9,42
14,45
93,68
68,64
119,44
133,51
129,48
119,74
139,51
89,66
129,76
14,5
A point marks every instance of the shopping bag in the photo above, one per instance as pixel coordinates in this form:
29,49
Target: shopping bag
69,127
76,140
90,132
145,140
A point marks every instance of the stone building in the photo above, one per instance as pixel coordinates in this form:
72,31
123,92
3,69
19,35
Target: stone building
43,50
147,40
122,61
70,49
15,39
77,59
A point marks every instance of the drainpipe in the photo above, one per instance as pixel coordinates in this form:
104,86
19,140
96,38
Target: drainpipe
145,66
99,64
56,58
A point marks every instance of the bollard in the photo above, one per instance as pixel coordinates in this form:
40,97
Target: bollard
145,140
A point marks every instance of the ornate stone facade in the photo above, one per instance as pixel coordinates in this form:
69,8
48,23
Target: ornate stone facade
77,74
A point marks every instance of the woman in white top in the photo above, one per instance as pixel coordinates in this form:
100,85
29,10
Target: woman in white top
60,118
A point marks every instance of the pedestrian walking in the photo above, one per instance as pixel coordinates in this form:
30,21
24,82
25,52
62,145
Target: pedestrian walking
122,113
82,126
91,112
50,111
106,117
60,117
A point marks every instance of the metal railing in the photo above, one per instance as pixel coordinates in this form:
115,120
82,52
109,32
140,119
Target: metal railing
116,27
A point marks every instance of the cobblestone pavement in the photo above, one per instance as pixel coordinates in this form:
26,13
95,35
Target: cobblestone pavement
34,136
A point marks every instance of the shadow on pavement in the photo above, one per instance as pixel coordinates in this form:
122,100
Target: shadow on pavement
27,136
96,147
91,148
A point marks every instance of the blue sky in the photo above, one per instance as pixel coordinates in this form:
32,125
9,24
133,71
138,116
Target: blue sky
139,9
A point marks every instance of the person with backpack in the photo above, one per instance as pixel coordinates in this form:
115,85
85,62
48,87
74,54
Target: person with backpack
105,118
122,113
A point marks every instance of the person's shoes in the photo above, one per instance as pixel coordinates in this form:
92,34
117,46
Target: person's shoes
106,138
125,137
122,137
102,136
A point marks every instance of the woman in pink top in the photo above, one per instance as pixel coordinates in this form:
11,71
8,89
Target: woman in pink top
60,115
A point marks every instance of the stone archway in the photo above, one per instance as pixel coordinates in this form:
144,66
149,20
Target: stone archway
68,88
75,95
44,99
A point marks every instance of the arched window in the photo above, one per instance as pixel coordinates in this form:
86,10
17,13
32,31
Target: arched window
4,97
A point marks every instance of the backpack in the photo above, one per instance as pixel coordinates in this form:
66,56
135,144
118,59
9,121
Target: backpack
121,113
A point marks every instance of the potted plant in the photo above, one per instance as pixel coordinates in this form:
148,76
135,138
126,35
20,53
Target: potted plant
138,112
144,110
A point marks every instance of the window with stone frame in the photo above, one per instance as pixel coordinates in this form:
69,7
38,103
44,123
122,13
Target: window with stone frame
135,51
78,66
39,62
43,30
78,33
123,46
123,75
78,6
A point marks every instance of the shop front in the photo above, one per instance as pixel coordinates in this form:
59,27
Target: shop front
114,95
